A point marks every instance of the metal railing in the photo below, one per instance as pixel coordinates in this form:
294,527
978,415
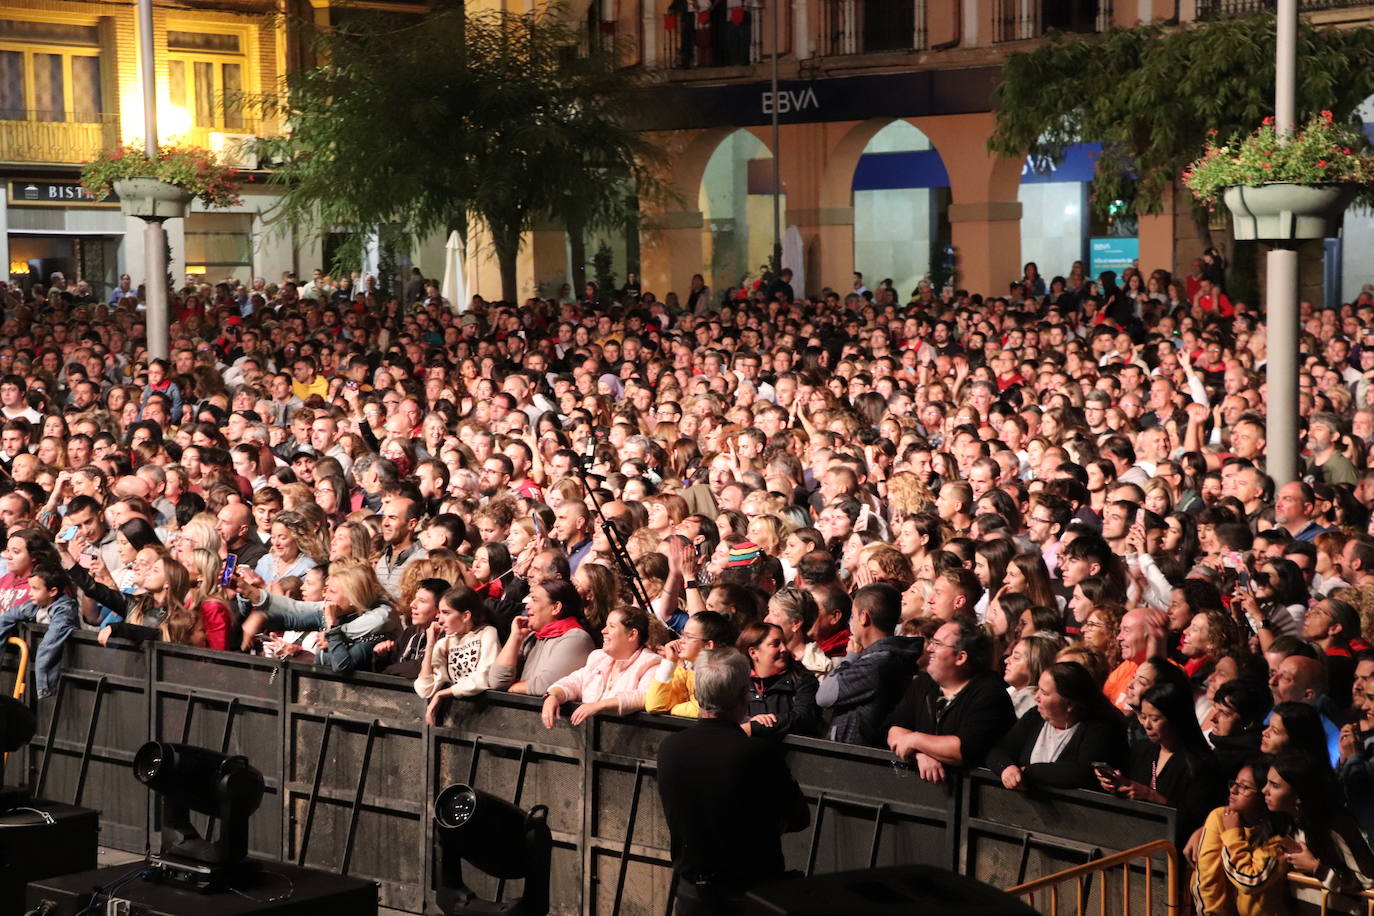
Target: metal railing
1020,20
1139,860
689,41
1225,9
40,136
867,26
1301,885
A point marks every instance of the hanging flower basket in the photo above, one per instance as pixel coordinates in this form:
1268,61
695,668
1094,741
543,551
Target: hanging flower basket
148,198
1282,211
1279,188
162,187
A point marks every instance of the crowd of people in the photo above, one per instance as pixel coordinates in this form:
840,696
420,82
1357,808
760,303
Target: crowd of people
1030,531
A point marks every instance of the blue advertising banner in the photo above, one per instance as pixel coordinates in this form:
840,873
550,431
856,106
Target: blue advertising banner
925,169
1112,254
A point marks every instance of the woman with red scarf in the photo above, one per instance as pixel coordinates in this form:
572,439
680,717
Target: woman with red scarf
487,576
548,643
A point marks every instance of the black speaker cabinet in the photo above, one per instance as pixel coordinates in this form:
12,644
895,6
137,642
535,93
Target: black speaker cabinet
273,888
903,889
44,840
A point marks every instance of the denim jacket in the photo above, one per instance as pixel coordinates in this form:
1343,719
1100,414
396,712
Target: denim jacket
62,620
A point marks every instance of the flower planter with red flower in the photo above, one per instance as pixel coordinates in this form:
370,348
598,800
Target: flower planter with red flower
1283,211
161,187
148,198
1286,188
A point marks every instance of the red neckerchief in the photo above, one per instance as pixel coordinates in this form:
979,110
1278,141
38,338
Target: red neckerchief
558,628
835,645
491,590
1195,665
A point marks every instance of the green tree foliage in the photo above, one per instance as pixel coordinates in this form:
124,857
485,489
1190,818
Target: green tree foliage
1150,95
414,125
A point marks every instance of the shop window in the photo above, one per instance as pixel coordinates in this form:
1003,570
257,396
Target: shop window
219,245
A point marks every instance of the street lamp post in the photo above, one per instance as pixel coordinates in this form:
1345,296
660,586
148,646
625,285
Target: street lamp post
1281,421
154,236
777,150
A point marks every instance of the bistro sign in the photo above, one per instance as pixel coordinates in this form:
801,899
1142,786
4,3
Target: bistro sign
47,193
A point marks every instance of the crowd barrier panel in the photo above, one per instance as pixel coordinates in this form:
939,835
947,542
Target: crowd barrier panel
352,771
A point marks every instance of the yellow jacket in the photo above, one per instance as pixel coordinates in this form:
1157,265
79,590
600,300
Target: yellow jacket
677,697
1235,877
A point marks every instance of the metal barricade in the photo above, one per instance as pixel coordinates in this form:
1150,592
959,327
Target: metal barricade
352,771
1044,893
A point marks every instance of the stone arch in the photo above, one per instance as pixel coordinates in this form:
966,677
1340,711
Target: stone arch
838,177
735,200
900,202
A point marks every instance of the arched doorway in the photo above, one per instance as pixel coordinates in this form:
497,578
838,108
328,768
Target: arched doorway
901,204
736,202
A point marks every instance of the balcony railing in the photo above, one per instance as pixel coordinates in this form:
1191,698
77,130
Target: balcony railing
41,136
1018,20
867,26
722,36
1227,9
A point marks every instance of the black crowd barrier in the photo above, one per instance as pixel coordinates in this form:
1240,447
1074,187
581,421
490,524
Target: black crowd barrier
352,770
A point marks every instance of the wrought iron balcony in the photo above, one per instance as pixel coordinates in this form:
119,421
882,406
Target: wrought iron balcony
54,136
868,26
1018,20
1228,9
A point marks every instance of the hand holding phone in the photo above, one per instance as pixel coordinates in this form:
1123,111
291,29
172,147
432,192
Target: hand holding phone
67,534
226,575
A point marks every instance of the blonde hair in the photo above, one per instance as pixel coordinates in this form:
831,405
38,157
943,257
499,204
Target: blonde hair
777,531
642,543
357,582
440,564
295,494
200,532
207,565
907,494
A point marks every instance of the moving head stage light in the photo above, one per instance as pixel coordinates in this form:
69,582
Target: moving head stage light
194,779
497,838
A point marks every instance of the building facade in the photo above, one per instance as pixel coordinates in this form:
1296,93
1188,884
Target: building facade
69,86
885,108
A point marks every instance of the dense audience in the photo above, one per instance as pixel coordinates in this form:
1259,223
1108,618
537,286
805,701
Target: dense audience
1031,532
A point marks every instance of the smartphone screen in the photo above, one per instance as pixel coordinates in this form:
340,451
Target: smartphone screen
230,563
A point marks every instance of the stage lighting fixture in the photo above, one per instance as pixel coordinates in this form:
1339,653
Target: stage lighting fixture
497,838
190,779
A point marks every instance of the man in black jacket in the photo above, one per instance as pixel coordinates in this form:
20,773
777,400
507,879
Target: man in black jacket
952,715
727,798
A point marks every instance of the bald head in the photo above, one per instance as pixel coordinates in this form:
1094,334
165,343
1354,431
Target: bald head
131,485
234,523
1299,679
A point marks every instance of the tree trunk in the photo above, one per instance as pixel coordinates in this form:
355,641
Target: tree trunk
577,252
507,245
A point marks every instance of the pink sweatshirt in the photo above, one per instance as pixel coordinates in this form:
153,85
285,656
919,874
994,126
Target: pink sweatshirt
603,678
